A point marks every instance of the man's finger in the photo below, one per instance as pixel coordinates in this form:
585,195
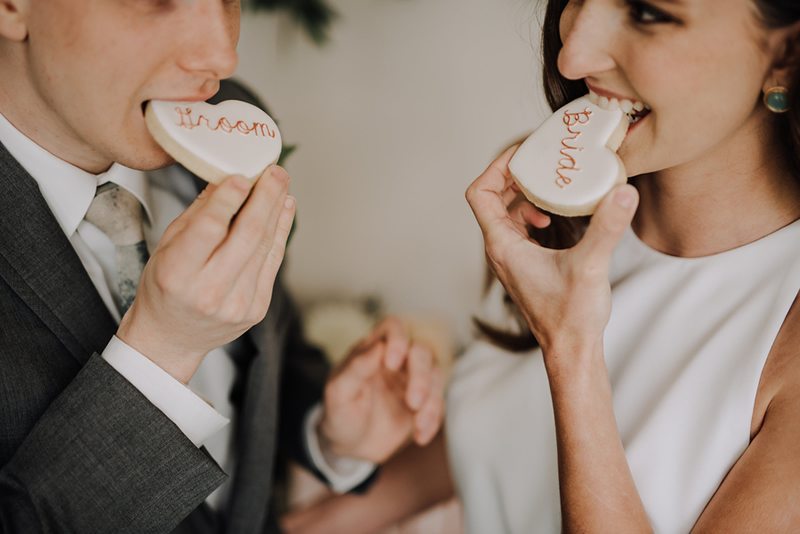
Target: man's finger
209,224
394,333
348,383
428,419
273,261
420,366
180,222
256,222
608,224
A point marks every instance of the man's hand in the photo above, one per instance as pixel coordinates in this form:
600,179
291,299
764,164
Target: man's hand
387,391
211,276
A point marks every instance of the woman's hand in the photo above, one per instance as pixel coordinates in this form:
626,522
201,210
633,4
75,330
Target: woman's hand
564,295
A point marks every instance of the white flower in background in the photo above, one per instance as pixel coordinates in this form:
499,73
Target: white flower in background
336,325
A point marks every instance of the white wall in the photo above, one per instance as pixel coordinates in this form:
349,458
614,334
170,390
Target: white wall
393,118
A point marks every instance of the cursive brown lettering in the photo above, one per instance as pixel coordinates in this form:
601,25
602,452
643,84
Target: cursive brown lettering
572,121
187,119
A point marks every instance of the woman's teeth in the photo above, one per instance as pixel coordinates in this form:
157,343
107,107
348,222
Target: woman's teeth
635,110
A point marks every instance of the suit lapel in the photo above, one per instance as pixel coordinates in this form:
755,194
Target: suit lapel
257,426
256,429
256,398
39,263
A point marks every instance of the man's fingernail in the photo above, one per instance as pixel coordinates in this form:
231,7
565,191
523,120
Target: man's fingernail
394,359
241,183
425,423
624,197
279,172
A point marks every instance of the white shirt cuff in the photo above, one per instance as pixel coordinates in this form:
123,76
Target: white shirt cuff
192,415
343,473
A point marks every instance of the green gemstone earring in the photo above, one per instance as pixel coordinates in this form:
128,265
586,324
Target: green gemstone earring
777,99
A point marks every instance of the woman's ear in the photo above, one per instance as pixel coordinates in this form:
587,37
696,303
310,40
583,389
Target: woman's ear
785,47
13,19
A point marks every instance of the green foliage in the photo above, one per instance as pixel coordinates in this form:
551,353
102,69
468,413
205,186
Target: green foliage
285,153
315,16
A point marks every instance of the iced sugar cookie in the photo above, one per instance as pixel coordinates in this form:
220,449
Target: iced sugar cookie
570,162
215,141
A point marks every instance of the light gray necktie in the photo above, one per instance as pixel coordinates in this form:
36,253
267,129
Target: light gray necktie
119,215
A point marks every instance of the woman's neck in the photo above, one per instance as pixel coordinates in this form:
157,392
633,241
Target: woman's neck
735,195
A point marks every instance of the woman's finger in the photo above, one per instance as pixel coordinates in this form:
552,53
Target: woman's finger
523,212
485,195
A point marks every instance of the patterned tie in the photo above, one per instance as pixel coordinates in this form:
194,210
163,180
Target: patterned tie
119,215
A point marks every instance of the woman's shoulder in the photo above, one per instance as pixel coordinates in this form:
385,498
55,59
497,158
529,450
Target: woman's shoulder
780,379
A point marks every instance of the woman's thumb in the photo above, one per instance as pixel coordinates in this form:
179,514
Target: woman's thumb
609,222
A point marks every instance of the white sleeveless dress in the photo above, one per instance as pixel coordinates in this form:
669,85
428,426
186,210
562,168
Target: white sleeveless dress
685,347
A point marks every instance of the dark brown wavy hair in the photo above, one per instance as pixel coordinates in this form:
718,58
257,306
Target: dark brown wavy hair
564,232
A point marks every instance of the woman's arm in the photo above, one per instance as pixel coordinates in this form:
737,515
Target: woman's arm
598,492
761,492
565,297
414,480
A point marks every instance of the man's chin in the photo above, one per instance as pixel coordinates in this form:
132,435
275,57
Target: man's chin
152,160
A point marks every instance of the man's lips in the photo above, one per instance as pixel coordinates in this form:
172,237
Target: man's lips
195,97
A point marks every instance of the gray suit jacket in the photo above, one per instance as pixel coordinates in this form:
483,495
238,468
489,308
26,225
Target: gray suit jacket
81,450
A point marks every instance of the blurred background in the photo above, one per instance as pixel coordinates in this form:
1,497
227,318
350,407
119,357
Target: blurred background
393,115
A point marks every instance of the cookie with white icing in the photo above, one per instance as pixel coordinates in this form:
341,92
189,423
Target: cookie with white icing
570,162
215,141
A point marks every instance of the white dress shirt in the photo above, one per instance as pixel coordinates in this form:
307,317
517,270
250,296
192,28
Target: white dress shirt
164,194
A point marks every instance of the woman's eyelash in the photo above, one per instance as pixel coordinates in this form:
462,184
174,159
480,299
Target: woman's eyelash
644,13
161,4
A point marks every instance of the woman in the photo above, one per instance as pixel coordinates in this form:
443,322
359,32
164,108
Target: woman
677,410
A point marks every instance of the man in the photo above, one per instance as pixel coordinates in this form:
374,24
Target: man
98,432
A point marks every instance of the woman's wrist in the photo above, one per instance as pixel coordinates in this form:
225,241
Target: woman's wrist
573,357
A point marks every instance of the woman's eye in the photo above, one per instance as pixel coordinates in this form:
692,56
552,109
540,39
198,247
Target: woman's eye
162,4
644,13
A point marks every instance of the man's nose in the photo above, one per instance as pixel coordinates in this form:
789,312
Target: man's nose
587,35
213,35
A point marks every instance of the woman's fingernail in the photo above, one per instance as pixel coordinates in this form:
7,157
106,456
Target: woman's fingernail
289,202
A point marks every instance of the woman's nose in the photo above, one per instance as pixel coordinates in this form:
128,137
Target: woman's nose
213,33
587,33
